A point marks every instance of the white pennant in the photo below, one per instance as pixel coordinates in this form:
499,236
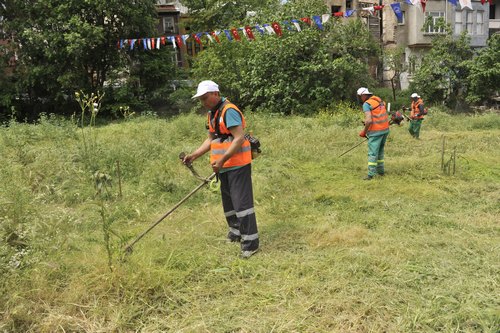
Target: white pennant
269,29
371,9
297,26
416,3
465,4
158,43
325,18
149,43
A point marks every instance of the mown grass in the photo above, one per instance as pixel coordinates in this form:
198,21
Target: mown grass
416,251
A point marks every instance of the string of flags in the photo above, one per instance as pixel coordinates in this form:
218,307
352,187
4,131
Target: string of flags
275,28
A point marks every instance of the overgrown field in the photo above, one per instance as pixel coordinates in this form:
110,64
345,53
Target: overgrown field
415,251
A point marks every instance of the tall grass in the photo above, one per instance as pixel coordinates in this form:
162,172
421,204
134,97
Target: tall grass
416,251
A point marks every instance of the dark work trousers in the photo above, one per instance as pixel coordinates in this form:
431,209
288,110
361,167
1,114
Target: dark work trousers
237,201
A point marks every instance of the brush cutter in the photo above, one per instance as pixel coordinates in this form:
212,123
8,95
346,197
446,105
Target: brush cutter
128,249
352,148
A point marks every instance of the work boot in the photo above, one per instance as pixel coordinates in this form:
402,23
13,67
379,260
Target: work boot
247,254
368,177
233,239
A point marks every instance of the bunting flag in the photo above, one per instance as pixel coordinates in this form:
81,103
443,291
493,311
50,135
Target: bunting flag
235,34
349,12
215,34
416,3
453,2
296,24
273,28
306,20
396,7
277,29
228,35
317,20
249,33
259,29
423,3
197,39
484,1
269,29
465,4
172,40
409,2
178,39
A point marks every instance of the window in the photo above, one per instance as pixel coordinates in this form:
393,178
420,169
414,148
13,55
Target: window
479,23
492,11
403,21
336,9
468,22
432,29
458,22
169,24
348,4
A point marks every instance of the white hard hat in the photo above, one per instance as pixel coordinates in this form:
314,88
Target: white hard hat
206,86
415,95
363,91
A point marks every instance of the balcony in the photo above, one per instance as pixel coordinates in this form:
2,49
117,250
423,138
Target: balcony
494,24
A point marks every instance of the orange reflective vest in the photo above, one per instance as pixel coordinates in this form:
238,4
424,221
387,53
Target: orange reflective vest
380,120
415,109
223,138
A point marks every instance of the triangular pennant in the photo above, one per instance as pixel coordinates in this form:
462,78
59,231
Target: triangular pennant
235,34
296,24
317,20
178,39
269,29
228,35
249,33
325,18
423,3
215,34
306,20
465,4
259,29
396,7
197,39
349,12
338,14
277,28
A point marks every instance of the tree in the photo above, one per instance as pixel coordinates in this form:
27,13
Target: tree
484,72
64,46
296,73
443,73
393,60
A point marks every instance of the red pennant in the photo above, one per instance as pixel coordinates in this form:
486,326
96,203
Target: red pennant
306,20
249,32
214,35
178,38
338,14
277,28
235,34
152,43
197,39
378,7
162,39
423,2
118,45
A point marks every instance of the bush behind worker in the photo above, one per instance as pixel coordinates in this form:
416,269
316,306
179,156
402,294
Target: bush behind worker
231,158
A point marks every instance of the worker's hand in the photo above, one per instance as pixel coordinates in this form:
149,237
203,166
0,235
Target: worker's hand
217,165
188,159
362,134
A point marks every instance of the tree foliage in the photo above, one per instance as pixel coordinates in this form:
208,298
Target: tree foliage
484,72
296,73
64,46
443,72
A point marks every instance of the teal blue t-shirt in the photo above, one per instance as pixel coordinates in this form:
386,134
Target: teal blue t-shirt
232,118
